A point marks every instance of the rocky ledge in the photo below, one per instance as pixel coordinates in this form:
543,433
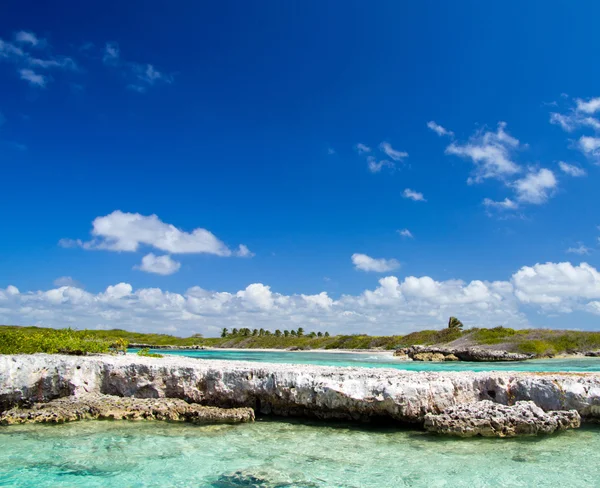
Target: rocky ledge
478,354
325,392
97,406
489,419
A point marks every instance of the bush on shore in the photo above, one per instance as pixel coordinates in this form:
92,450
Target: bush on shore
52,341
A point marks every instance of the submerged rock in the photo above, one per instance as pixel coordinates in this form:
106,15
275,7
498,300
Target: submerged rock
98,406
436,353
489,419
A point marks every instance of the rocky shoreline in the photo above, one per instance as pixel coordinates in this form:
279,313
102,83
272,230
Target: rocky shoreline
358,394
473,354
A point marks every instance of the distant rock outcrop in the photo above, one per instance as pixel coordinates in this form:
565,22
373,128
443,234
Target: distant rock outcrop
478,354
489,419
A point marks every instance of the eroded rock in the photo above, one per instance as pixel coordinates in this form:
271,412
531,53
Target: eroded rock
298,390
436,353
98,406
489,419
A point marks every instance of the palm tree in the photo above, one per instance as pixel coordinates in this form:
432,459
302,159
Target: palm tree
326,334
277,333
234,331
224,332
300,332
261,332
312,335
293,332
319,334
255,332
454,323
286,333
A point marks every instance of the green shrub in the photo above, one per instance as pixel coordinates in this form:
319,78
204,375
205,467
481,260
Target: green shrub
52,341
146,353
492,336
537,347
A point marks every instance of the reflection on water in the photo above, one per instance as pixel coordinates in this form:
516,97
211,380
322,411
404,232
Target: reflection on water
279,453
386,360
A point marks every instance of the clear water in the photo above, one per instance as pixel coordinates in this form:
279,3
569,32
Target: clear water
383,360
284,454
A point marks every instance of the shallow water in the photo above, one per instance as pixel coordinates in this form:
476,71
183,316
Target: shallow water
285,454
382,360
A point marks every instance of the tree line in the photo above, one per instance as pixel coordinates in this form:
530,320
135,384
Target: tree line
245,332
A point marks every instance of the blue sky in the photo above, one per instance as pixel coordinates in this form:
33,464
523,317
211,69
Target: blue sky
311,135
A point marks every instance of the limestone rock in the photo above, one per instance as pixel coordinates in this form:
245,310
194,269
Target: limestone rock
288,389
489,419
459,354
98,406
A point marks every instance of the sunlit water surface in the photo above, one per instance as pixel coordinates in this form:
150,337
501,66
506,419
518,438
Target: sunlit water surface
283,454
384,360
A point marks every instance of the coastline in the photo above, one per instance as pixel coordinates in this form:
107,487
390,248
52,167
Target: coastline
296,390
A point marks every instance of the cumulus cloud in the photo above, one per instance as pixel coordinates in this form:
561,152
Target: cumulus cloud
536,186
571,169
590,146
405,233
413,195
123,231
393,306
27,38
162,265
562,286
588,106
367,263
490,152
392,153
439,130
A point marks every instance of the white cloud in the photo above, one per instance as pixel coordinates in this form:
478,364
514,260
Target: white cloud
244,252
590,106
405,233
367,263
490,152
571,169
362,149
559,285
393,306
376,166
392,153
580,249
439,130
536,186
506,204
162,265
33,78
413,195
27,38
590,146
112,53
67,281
321,300
140,76
257,296
122,231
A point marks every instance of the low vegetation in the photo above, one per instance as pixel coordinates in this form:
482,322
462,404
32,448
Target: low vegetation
145,352
541,342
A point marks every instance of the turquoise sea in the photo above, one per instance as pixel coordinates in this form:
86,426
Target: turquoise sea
386,360
284,454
